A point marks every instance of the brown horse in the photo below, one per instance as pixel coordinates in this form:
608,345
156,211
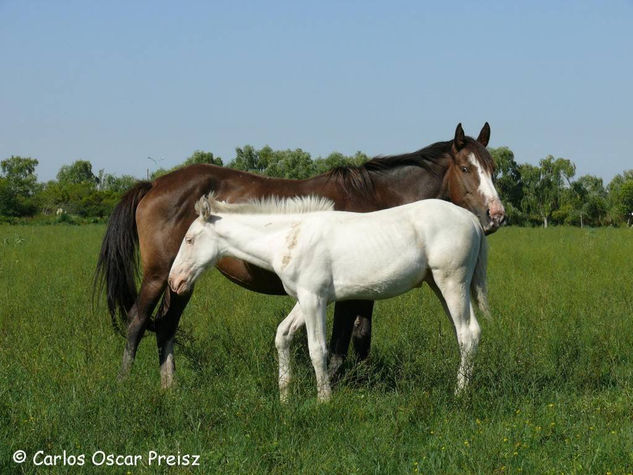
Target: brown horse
155,216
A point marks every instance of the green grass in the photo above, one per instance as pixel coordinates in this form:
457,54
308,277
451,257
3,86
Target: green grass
552,389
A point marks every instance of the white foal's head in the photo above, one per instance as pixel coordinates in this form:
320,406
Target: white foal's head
198,251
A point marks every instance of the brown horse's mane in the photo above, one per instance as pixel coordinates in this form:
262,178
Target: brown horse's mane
359,177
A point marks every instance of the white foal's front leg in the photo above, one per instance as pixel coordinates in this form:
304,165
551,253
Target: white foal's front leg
285,333
313,308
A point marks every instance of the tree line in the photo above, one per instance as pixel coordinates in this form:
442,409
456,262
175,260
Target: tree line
544,194
549,193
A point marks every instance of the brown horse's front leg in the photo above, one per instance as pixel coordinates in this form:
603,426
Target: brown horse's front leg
352,318
138,316
166,326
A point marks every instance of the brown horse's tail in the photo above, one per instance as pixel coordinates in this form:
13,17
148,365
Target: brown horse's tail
117,267
479,285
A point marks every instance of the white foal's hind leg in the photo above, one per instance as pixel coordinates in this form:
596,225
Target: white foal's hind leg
285,333
475,333
313,308
454,293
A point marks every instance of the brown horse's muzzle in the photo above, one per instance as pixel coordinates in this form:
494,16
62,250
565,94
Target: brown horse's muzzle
496,215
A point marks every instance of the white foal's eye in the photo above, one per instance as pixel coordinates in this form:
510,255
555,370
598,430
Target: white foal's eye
188,240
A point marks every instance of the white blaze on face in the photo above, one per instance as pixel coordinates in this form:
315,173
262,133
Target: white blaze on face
486,188
496,211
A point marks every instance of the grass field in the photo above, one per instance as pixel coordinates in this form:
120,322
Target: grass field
552,390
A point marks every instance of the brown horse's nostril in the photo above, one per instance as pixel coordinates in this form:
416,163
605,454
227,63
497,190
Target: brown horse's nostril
498,218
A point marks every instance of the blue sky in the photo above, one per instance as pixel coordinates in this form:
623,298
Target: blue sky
115,82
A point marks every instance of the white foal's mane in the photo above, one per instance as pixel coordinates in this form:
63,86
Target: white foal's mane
208,205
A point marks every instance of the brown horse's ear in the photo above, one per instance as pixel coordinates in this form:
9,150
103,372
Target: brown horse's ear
202,208
459,141
484,135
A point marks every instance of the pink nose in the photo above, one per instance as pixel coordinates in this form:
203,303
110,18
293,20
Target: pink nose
179,283
497,212
175,283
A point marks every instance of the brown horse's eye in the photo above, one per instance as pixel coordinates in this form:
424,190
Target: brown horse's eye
465,169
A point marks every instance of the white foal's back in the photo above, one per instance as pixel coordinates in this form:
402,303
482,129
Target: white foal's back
377,255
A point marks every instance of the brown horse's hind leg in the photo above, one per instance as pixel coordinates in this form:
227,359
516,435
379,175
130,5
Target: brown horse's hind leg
352,318
149,293
361,336
166,325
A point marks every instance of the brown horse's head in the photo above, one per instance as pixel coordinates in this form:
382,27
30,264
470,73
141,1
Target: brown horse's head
469,178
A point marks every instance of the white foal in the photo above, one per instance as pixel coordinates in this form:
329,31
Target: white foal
323,256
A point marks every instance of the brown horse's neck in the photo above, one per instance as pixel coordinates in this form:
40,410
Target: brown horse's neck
412,183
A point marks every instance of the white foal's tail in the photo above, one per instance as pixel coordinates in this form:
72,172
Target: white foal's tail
479,285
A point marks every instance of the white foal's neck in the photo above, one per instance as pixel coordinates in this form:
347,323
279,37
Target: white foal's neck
248,231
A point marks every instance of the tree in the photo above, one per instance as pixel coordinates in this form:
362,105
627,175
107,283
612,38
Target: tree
79,191
530,202
620,197
337,159
508,182
9,204
248,159
544,185
79,172
115,184
588,199
20,173
199,156
295,164
18,186
82,199
277,163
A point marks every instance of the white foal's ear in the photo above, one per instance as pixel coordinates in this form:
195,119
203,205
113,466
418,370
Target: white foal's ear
202,208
